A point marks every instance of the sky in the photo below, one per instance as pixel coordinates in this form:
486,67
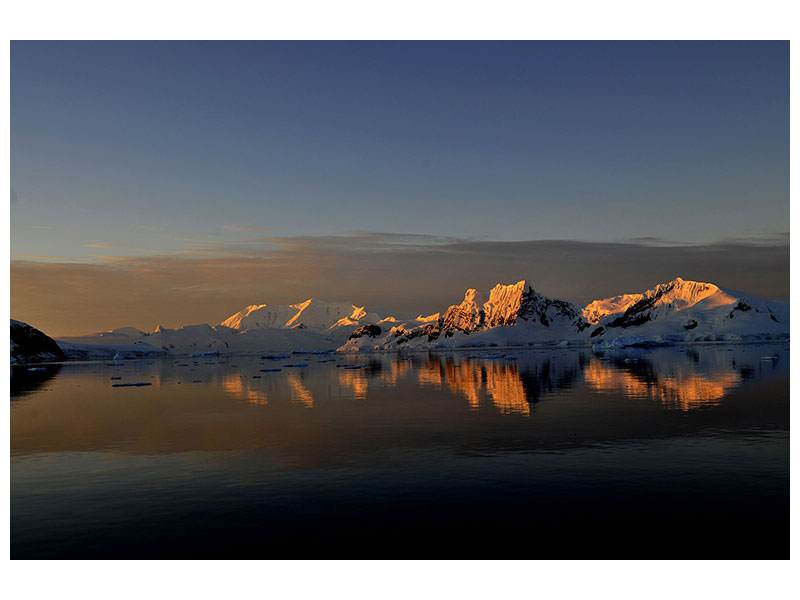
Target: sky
174,182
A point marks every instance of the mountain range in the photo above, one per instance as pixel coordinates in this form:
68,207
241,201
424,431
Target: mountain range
515,314
676,311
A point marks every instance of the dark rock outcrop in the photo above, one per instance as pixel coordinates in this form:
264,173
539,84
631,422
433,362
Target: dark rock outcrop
28,344
368,330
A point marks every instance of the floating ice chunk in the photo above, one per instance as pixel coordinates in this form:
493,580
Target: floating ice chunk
632,341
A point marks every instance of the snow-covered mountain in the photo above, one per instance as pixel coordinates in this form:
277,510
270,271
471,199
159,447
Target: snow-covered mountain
676,311
687,311
515,314
311,314
313,324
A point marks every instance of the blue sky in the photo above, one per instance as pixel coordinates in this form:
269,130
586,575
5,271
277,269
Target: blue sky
122,148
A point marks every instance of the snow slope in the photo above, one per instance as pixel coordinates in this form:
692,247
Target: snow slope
313,324
196,339
689,311
311,314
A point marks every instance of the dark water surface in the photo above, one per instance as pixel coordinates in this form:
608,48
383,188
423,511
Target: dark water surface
663,453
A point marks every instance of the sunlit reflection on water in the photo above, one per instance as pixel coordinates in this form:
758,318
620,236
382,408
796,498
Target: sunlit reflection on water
236,386
683,389
356,381
300,393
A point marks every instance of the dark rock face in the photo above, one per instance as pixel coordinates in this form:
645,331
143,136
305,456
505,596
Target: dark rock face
28,344
742,307
636,314
432,330
691,325
535,307
368,330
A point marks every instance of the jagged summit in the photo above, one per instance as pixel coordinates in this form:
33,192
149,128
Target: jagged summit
515,305
506,305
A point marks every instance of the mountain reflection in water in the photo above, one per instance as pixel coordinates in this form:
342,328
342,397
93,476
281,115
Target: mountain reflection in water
678,380
682,389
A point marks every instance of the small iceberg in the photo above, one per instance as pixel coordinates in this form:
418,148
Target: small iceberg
361,366
274,356
137,384
296,365
269,370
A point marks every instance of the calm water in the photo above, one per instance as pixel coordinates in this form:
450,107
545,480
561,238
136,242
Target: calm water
667,453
